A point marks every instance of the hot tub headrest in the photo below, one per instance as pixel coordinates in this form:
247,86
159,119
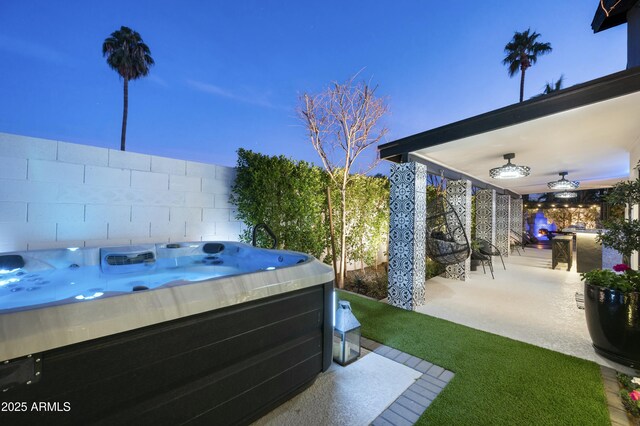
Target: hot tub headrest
213,248
11,261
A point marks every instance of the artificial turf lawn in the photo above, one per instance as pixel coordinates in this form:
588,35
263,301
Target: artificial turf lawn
498,381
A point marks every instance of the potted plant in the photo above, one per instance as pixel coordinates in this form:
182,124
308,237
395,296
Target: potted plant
612,298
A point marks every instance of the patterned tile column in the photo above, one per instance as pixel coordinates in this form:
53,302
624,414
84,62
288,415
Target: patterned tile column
486,215
516,216
407,233
503,207
459,196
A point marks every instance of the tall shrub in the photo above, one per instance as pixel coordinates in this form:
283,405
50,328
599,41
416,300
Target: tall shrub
367,217
288,196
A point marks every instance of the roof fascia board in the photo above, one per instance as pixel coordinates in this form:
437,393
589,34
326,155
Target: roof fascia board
594,91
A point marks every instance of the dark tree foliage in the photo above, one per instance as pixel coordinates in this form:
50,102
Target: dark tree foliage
288,196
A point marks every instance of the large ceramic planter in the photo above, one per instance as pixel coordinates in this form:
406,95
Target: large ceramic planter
613,319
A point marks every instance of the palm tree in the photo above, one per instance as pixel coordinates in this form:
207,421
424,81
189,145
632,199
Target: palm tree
522,52
554,86
128,55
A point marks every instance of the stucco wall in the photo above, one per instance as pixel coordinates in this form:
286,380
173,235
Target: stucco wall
58,194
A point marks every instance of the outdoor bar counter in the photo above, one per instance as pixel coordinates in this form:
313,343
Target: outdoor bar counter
589,253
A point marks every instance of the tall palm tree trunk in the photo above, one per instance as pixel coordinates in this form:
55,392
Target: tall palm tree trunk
522,83
125,110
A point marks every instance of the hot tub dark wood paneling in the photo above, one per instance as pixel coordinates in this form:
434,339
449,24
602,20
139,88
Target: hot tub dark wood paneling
228,366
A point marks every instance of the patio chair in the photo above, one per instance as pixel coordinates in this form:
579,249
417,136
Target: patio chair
447,242
488,249
515,242
482,258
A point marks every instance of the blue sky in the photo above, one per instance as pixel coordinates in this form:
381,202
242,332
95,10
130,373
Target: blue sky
228,74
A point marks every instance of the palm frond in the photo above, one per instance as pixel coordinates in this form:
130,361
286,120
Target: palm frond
127,54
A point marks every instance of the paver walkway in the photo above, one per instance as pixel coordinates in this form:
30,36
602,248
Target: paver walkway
409,406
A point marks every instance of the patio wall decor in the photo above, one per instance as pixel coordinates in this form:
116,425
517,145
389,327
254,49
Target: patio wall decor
459,196
516,215
503,208
407,233
486,215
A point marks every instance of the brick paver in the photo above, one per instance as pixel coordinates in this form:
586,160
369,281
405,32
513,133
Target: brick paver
409,406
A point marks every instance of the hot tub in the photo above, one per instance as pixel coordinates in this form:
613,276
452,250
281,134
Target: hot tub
201,332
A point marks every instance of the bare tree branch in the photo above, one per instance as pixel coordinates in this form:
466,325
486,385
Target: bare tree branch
342,122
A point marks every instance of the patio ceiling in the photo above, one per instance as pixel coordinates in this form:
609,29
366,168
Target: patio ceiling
587,130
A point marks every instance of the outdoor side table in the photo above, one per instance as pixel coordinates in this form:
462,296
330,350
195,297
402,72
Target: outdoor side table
562,251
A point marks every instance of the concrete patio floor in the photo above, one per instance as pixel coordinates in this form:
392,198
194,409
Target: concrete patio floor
352,395
528,302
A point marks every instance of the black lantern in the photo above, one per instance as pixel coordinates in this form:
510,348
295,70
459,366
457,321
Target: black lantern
346,335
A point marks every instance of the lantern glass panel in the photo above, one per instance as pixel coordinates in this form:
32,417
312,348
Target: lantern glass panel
346,346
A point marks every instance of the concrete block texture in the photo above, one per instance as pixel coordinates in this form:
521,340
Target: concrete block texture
216,215
55,212
215,186
107,177
11,211
150,214
55,194
149,180
107,213
54,171
16,146
18,190
195,231
13,168
185,183
82,154
168,165
185,214
201,170
44,245
129,160
107,243
198,199
138,229
19,234
231,229
81,231
172,230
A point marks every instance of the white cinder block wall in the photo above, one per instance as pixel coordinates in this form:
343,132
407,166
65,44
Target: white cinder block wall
56,194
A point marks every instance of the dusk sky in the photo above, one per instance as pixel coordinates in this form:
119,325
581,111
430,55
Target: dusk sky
228,74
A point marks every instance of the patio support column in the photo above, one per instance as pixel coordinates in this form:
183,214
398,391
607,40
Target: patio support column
407,233
459,196
486,215
503,228
516,217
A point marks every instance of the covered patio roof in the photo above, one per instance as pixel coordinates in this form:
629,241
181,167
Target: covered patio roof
587,130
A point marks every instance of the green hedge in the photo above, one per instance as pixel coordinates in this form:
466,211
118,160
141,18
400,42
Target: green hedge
291,198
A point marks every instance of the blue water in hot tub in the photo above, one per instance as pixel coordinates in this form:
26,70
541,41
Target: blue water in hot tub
61,280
